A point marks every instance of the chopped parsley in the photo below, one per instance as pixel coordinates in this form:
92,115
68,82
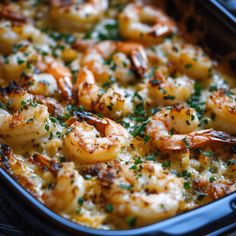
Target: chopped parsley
166,164
108,83
65,37
213,88
146,138
47,127
152,157
2,106
81,201
16,47
131,221
62,159
69,130
125,186
188,66
53,119
137,160
106,30
231,162
169,97
172,131
208,153
212,179
125,124
187,185
29,102
109,208
139,130
194,100
186,174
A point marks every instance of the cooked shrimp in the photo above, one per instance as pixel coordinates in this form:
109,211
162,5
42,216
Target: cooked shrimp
191,60
41,84
22,171
21,67
175,129
50,76
221,106
29,121
151,197
164,90
123,57
94,140
90,97
69,187
75,16
27,126
12,66
145,23
15,28
63,77
13,96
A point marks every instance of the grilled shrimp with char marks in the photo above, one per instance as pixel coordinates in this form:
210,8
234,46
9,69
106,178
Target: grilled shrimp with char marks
74,16
176,129
145,23
94,140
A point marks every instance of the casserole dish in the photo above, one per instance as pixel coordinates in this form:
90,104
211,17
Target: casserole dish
218,216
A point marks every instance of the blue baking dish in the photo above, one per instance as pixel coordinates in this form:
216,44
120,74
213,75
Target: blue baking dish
215,218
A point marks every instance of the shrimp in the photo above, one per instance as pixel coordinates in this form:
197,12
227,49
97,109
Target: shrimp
14,28
63,77
145,23
51,75
221,107
74,16
90,97
27,123
175,129
22,171
191,60
153,196
168,91
94,140
117,59
69,186
12,66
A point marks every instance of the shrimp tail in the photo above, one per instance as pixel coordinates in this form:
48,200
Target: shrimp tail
45,164
204,137
99,123
139,60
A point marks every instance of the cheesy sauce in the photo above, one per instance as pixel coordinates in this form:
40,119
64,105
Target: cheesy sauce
108,116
